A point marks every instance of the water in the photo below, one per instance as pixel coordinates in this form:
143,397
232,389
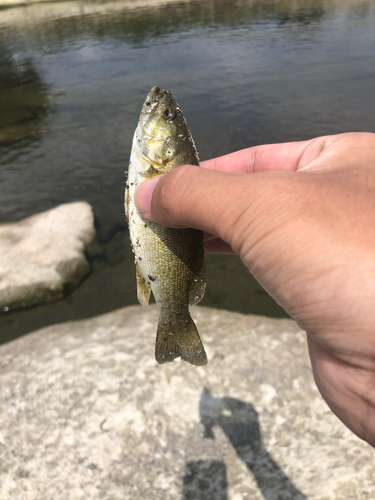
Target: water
73,77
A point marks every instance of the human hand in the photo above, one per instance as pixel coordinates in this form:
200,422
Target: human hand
302,218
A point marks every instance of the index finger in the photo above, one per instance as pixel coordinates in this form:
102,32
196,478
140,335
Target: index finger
285,156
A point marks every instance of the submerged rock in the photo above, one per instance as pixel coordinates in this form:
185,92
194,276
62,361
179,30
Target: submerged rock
86,412
43,256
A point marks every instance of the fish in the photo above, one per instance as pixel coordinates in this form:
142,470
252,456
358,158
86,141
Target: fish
169,262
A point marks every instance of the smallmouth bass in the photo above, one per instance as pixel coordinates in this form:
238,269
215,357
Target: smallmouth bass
169,262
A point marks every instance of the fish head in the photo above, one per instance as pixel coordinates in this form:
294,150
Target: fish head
161,115
161,129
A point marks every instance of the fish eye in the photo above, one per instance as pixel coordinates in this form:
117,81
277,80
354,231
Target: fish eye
168,114
148,103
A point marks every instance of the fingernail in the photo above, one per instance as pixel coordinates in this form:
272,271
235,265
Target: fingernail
143,195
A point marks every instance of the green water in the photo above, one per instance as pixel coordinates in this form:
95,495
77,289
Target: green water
244,73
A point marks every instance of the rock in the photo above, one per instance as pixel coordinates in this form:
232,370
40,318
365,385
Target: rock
86,412
43,256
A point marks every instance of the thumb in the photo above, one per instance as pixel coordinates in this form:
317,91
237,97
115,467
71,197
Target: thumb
176,199
220,203
191,196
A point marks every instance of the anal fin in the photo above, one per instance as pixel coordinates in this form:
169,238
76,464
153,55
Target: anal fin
198,286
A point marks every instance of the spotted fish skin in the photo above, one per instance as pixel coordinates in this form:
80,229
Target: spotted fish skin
169,262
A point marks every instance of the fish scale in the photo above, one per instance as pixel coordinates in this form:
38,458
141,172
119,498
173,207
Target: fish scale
169,262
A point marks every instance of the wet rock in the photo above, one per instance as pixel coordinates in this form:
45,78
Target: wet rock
43,256
86,412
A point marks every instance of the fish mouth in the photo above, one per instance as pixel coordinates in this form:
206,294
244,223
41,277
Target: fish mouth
155,93
152,100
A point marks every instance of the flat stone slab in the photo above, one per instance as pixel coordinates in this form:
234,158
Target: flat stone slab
86,412
43,256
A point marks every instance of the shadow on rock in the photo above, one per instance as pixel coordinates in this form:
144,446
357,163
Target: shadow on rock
239,421
205,480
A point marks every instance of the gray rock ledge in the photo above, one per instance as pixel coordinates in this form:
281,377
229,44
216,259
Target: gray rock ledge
86,412
43,256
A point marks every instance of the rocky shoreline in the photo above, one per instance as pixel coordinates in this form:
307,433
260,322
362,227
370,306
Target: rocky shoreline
87,410
29,12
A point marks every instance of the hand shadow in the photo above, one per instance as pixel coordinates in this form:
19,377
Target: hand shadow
239,421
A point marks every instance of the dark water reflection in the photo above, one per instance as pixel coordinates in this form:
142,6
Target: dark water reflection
23,102
244,73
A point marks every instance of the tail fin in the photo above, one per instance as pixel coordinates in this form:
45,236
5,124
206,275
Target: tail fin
179,337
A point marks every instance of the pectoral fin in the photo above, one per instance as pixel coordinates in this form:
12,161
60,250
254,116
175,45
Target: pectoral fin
151,171
126,201
143,288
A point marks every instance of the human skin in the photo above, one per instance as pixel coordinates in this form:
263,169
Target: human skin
301,216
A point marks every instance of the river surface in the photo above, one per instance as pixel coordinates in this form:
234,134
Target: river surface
73,77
